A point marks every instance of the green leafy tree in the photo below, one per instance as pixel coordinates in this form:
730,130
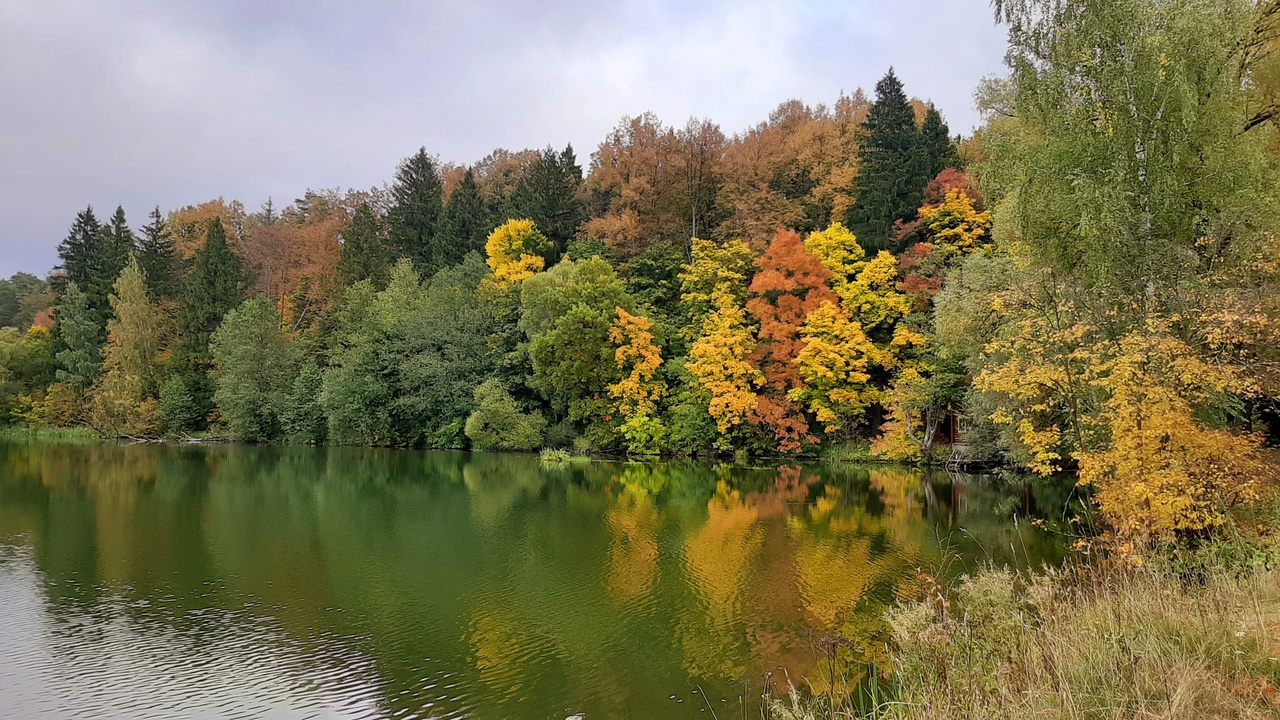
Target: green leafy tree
254,371
366,254
891,178
937,151
499,424
124,398
567,312
176,408
302,415
415,218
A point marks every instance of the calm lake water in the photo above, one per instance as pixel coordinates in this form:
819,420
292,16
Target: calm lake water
220,582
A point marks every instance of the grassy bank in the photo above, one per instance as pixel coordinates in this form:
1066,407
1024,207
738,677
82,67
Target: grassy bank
1190,633
49,435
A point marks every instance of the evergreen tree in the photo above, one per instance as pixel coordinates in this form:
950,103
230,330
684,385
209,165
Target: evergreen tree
158,258
547,193
79,361
415,217
890,180
77,250
466,219
937,151
365,252
214,286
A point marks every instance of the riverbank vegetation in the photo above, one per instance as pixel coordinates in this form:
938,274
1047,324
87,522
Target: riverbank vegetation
1089,282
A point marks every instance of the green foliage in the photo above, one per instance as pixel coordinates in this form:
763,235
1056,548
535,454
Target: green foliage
21,296
891,166
79,361
254,371
498,423
176,408
302,416
365,254
466,218
547,193
158,259
414,221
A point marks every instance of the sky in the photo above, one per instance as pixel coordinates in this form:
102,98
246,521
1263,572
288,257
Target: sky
144,103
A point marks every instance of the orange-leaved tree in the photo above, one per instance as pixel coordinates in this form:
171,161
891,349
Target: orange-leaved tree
790,284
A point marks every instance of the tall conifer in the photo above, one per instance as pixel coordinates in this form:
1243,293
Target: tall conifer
415,217
890,180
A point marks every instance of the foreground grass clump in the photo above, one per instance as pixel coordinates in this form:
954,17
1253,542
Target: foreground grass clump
1092,643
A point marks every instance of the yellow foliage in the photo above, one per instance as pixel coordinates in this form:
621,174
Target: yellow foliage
514,251
638,392
715,267
833,364
955,225
720,360
838,250
1161,471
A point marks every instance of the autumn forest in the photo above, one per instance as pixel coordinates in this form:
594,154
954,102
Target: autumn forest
1085,282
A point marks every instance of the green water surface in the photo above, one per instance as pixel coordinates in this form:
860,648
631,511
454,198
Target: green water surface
221,581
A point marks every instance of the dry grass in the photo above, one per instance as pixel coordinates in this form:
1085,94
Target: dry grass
1090,643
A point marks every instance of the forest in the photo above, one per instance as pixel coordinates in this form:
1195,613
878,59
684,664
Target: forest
1085,282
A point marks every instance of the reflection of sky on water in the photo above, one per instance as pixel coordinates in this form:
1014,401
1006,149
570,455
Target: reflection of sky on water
359,583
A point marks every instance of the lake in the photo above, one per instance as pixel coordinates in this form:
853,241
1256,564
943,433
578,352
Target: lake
153,581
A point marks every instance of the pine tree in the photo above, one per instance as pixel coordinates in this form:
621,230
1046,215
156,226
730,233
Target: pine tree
365,252
79,361
466,221
158,258
547,193
890,180
937,151
415,218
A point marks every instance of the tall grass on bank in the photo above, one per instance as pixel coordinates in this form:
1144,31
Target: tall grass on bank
1089,643
50,435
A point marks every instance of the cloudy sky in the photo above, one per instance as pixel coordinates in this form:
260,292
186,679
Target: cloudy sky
145,103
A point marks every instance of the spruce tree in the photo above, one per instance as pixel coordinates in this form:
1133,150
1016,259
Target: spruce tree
214,286
365,254
890,181
547,193
466,221
415,217
79,360
77,250
937,151
158,258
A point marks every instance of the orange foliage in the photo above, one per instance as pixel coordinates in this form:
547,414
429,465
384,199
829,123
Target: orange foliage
790,283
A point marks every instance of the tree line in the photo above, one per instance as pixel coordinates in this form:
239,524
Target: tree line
1089,279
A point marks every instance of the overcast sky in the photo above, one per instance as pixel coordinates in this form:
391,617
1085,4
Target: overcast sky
145,103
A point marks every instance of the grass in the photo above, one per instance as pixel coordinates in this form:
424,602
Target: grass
49,435
1197,636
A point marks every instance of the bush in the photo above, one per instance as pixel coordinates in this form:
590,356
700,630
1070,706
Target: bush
177,408
498,424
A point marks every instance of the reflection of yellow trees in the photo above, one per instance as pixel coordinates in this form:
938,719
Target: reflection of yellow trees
633,548
900,489
836,569
717,560
498,647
